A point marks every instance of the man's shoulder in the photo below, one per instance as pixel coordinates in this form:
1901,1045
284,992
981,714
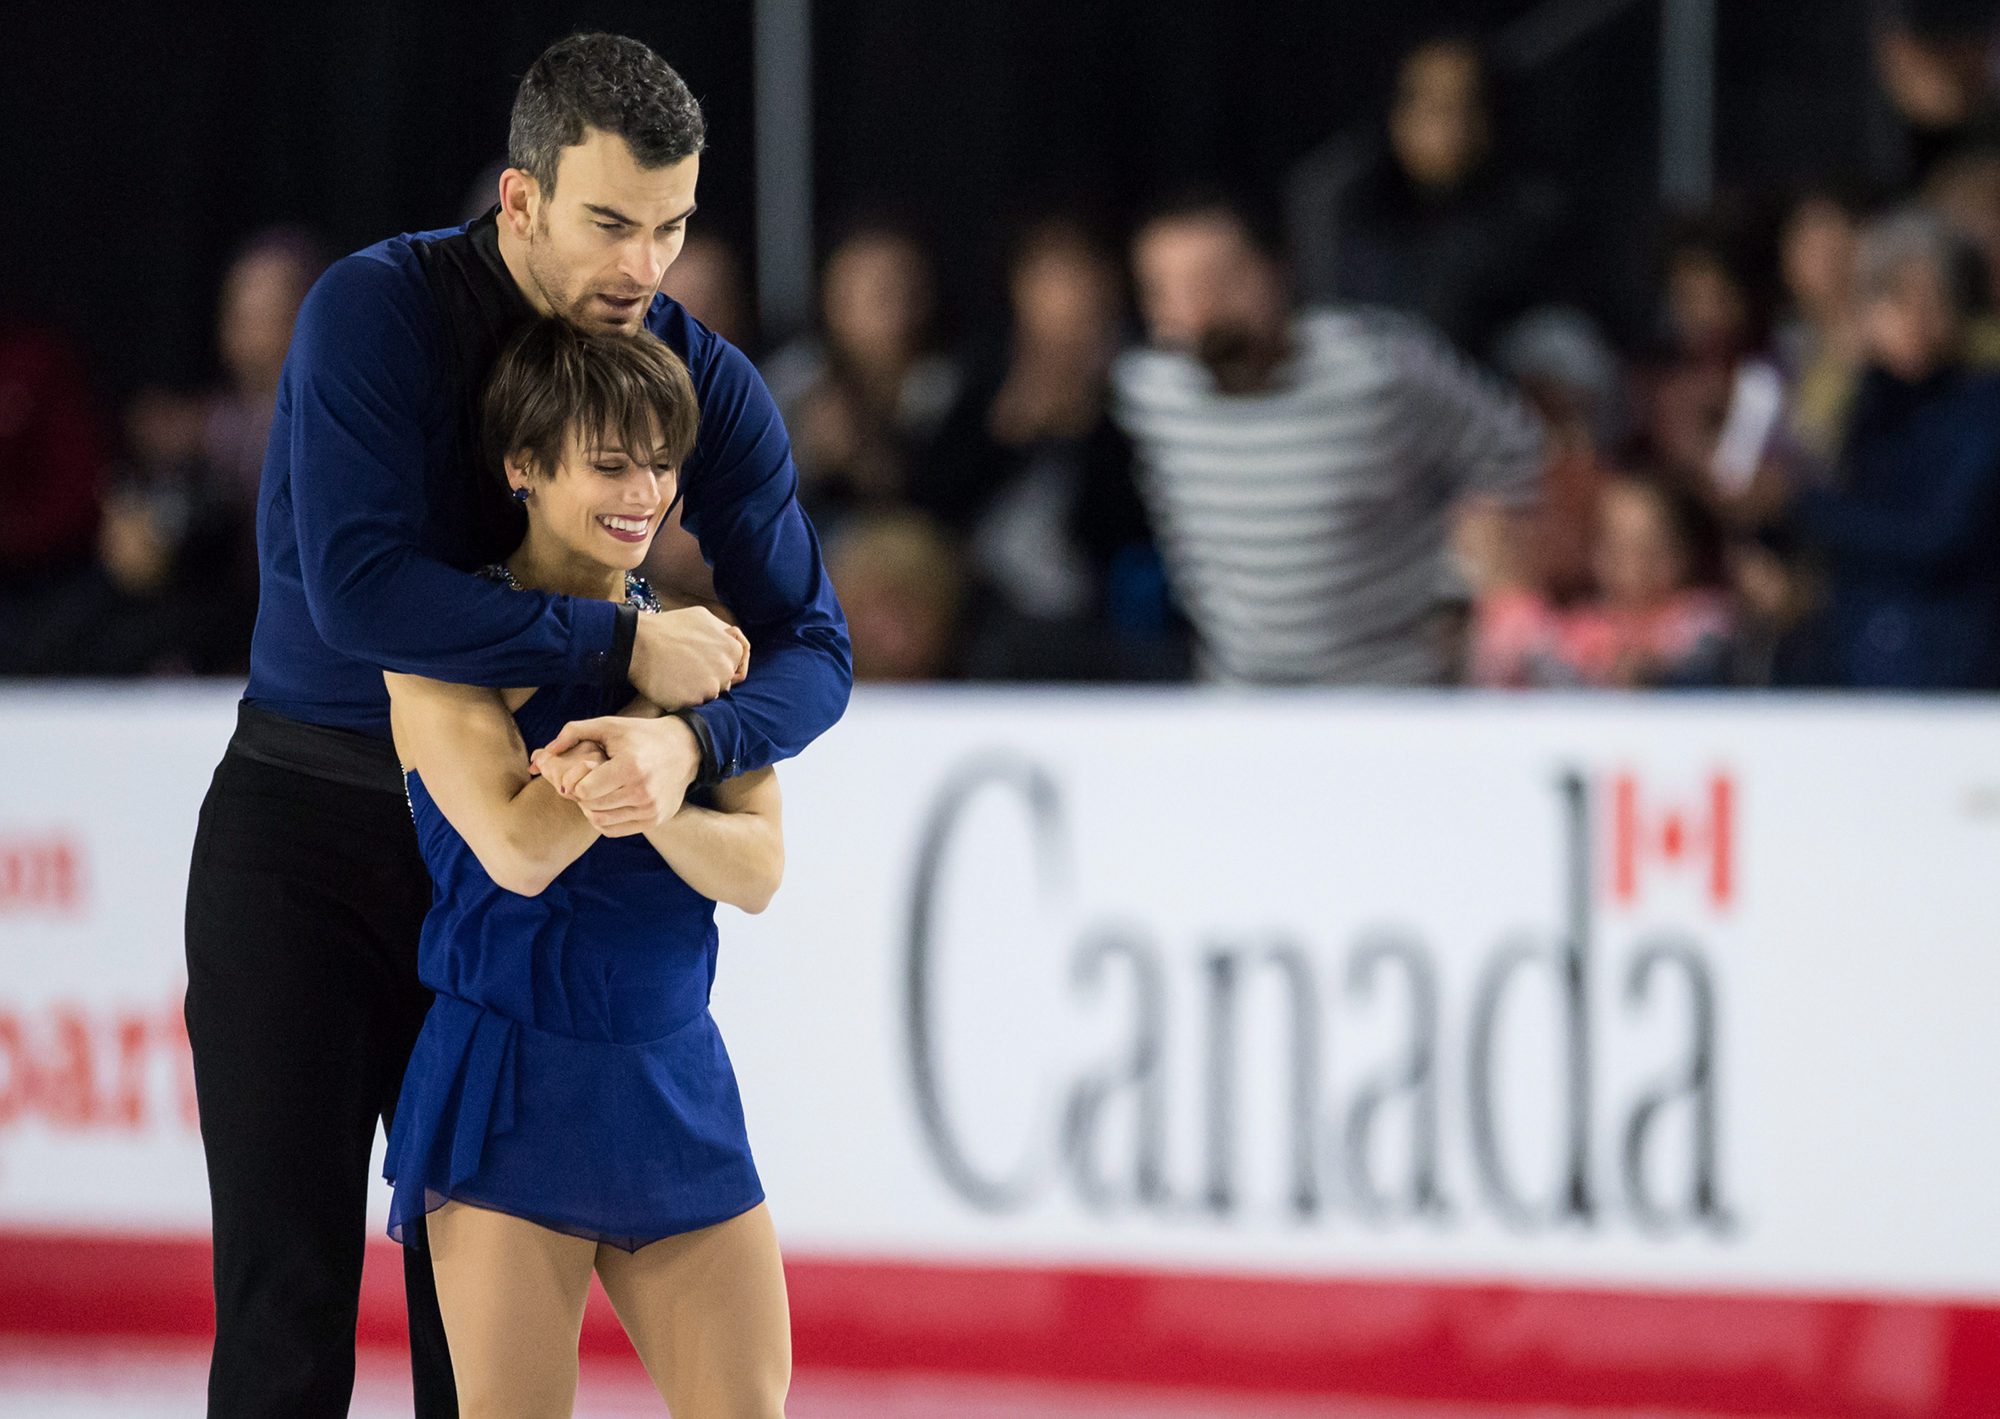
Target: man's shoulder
392,258
740,427
392,268
719,370
687,337
381,277
369,315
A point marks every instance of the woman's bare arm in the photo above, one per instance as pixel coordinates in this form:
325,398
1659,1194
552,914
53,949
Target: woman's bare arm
465,744
734,852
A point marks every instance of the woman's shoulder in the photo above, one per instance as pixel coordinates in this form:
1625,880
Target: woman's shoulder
684,595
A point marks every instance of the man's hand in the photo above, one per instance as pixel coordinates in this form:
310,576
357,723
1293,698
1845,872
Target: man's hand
648,766
687,657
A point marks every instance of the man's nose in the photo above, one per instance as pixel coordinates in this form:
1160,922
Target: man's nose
644,263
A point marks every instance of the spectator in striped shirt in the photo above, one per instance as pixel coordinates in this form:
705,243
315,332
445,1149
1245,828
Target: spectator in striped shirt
1303,469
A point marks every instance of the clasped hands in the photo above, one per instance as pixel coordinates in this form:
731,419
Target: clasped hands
631,772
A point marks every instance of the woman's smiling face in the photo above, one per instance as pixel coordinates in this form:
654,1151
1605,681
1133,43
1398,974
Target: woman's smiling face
602,503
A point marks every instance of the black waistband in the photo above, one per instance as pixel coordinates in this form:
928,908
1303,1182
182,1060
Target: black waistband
338,755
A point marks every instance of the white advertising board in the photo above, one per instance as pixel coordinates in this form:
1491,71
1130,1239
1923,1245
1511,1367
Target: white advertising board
1654,992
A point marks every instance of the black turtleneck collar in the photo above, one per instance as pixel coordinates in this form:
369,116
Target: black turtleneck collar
483,235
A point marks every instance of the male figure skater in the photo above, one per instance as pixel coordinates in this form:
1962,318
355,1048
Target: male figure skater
306,892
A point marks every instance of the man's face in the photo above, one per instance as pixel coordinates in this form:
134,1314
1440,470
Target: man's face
599,245
1200,277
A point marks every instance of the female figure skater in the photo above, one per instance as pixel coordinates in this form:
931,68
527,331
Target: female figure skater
569,1106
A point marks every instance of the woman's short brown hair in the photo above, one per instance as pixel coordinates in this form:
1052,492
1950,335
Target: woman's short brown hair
613,389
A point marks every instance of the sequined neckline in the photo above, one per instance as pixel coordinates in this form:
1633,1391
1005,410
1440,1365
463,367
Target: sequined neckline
638,591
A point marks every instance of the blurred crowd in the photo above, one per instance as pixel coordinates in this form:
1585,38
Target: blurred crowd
1408,436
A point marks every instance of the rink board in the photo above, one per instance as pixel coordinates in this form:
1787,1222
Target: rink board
1544,1049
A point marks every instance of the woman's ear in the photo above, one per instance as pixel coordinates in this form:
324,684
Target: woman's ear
518,479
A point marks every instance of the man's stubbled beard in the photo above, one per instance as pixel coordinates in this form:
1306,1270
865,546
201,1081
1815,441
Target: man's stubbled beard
571,305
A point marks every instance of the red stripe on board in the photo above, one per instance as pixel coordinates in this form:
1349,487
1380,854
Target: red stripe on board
1624,838
1721,840
1813,1357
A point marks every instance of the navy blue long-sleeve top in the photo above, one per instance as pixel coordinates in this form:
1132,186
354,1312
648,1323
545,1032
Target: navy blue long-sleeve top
1911,538
366,552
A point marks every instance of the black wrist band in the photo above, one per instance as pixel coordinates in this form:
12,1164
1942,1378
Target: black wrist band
624,634
710,772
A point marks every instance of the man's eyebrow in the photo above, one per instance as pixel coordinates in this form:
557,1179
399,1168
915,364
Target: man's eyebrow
612,214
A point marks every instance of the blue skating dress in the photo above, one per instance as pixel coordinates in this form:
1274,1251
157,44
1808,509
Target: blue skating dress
569,1072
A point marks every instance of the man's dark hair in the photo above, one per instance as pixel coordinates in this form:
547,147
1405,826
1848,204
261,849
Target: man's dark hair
628,391
601,81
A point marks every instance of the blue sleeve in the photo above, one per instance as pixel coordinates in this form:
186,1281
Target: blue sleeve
362,371
742,506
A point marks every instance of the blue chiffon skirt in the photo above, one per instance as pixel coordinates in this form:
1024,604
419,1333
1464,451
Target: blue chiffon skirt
620,1143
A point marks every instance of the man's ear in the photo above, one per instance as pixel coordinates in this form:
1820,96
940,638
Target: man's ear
520,199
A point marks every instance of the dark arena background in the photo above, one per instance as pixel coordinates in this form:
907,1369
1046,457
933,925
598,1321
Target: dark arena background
1416,832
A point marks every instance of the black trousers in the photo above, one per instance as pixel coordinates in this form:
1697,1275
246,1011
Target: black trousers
305,897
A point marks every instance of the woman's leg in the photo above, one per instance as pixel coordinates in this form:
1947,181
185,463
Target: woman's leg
512,1295
706,1311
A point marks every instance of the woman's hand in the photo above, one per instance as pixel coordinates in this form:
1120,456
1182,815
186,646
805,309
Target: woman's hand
565,770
